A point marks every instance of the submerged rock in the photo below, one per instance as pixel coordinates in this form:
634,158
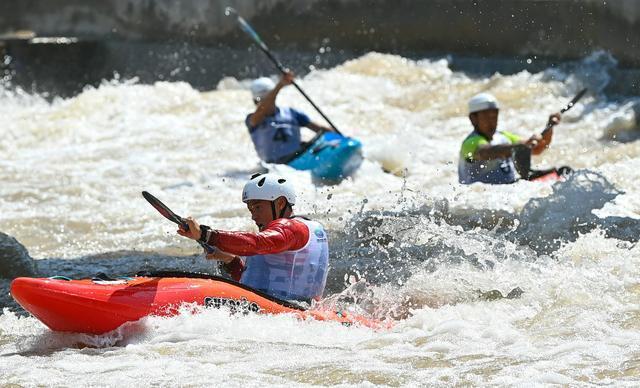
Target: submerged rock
14,259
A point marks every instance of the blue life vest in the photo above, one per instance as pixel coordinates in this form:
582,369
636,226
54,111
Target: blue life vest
292,275
278,135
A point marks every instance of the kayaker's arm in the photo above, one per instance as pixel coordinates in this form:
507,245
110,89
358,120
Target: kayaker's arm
232,264
280,235
235,268
319,128
544,140
537,143
489,152
267,105
219,255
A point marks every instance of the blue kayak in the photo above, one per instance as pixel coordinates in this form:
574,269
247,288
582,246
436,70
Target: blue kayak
331,157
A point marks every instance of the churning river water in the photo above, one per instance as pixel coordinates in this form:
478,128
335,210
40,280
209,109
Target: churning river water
415,244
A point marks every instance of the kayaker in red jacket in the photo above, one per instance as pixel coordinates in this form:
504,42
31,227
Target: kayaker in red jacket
287,258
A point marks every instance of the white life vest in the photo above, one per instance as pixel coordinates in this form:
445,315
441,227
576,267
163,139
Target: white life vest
292,275
277,137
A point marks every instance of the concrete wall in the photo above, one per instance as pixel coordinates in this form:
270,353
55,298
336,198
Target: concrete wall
557,28
193,41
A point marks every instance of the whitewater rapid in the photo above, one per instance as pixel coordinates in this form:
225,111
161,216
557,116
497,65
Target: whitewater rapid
73,170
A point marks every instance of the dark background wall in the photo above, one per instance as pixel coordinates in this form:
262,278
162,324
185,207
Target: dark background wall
558,29
567,28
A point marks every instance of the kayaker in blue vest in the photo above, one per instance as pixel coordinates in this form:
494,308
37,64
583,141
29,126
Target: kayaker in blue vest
486,153
289,256
275,131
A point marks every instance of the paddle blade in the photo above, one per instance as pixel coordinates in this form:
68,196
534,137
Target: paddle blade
164,210
171,216
246,27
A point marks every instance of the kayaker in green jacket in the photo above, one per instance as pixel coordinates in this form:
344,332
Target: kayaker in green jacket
486,155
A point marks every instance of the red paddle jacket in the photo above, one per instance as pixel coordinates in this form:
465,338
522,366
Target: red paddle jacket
283,234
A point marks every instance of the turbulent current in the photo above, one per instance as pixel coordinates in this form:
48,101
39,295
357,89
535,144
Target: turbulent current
414,246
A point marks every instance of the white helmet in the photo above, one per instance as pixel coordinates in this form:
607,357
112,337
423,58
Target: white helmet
482,101
268,187
261,86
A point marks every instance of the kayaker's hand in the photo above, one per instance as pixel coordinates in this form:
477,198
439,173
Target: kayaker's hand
533,141
217,254
554,119
194,229
287,78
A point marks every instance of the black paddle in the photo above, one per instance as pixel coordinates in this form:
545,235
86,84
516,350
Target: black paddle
522,155
263,46
171,216
569,106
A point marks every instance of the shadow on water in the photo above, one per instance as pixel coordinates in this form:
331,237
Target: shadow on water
549,222
243,174
627,136
387,247
47,343
66,69
623,126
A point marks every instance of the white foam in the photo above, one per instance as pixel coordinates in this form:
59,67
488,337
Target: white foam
72,183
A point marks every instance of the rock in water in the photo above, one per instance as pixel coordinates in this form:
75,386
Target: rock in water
14,259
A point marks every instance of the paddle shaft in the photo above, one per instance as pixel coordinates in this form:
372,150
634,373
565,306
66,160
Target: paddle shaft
522,154
263,47
567,107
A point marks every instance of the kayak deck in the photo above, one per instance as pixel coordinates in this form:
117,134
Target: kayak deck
331,157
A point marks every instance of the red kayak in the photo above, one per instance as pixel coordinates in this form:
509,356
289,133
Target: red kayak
99,305
549,177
